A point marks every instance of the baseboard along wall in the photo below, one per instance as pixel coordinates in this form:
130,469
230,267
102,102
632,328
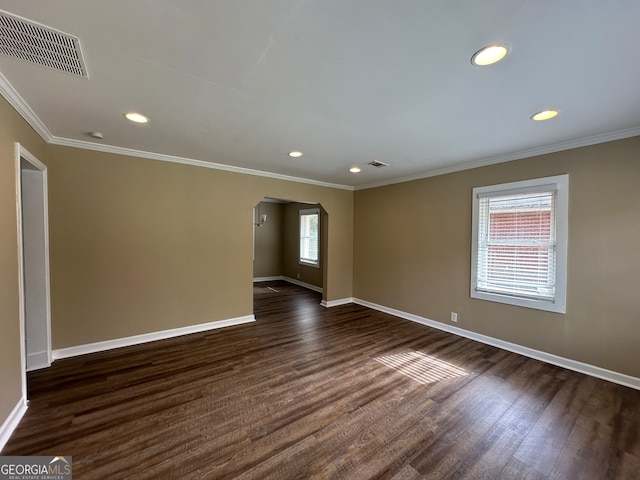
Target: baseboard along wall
290,280
148,337
587,369
38,361
12,421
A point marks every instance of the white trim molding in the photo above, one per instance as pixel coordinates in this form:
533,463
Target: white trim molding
508,157
569,364
21,285
43,358
337,303
12,421
38,361
147,337
69,142
268,279
15,99
303,284
22,107
289,280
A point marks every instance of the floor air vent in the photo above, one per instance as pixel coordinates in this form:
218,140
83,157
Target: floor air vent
378,164
35,43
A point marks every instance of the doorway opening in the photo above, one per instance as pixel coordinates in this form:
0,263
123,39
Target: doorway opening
33,264
281,243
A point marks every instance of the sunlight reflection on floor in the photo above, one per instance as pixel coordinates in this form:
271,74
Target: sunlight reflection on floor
421,367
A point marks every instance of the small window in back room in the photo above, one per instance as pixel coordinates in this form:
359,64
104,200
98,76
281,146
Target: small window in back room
519,244
310,236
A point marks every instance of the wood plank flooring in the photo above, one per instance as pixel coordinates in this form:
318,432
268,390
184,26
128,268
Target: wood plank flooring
344,393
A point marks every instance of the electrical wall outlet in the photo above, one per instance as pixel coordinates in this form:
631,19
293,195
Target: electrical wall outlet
454,317
298,276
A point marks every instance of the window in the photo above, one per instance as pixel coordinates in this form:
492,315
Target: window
309,236
519,244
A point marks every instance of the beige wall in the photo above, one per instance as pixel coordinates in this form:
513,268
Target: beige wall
267,261
291,257
413,249
12,129
141,245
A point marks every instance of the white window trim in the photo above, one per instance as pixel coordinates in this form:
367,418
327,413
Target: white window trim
305,261
561,184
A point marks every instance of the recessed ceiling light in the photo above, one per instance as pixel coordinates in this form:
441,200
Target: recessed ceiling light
544,115
354,169
295,154
489,54
136,117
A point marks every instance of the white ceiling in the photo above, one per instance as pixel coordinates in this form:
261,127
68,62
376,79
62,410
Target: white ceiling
243,82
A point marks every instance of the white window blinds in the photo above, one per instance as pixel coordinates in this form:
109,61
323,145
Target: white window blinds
517,243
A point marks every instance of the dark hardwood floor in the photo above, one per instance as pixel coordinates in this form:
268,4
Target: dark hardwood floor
312,393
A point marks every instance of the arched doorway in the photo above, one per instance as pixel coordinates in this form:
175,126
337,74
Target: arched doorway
280,249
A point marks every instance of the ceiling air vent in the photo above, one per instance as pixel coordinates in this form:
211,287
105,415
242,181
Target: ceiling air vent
378,164
35,43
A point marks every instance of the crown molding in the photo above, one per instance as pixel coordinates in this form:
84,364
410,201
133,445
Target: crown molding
13,97
16,101
532,152
67,142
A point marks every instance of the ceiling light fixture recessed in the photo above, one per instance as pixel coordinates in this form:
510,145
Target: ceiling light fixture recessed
295,154
489,55
544,115
355,169
136,117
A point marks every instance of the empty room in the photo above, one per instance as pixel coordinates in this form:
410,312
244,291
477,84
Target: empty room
320,239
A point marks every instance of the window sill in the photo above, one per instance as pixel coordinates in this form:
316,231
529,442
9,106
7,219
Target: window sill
548,306
310,264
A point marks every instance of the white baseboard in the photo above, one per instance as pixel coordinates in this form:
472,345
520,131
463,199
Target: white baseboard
337,303
147,337
290,280
303,284
587,369
37,361
12,421
267,279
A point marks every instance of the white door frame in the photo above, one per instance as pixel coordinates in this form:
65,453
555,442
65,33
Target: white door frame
22,153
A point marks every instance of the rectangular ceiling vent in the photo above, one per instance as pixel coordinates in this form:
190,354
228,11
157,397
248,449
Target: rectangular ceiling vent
35,43
378,164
